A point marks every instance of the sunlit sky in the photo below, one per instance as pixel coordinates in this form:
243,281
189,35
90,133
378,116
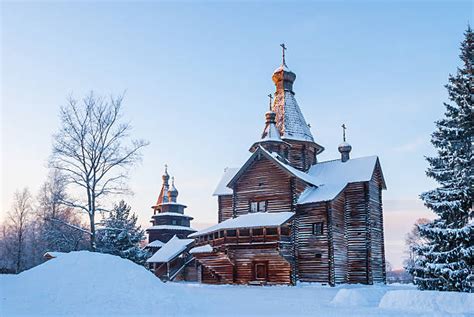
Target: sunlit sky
197,76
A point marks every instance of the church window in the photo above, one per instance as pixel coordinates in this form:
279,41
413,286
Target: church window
258,206
318,228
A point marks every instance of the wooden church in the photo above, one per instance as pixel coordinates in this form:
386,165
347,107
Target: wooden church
168,219
284,216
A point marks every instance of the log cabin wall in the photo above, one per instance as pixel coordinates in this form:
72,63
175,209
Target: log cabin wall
264,180
358,238
376,224
312,250
225,207
164,235
301,155
339,239
245,258
209,277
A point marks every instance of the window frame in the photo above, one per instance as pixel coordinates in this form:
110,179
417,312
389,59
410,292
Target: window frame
315,225
260,205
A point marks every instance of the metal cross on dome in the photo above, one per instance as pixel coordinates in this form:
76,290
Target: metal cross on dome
343,132
283,47
271,100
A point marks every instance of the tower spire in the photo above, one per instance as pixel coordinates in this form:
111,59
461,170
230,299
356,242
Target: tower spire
344,148
271,101
283,48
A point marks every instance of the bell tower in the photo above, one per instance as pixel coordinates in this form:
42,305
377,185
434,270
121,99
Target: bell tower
290,120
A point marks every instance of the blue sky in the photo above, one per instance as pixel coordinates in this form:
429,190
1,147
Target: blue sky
196,77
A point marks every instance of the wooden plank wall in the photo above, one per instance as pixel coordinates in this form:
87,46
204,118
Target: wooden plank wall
339,239
301,155
376,221
225,207
264,180
278,269
356,232
311,268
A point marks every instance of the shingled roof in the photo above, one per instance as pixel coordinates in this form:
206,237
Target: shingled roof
289,118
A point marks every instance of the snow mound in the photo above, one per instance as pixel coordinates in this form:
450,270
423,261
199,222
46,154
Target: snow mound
357,297
429,301
83,283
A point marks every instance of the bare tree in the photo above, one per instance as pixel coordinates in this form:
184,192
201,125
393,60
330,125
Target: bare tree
18,219
94,151
413,240
60,227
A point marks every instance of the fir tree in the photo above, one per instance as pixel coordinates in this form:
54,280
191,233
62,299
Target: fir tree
120,235
445,261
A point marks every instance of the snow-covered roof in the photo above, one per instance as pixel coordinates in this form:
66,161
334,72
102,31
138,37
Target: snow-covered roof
53,254
170,250
174,214
354,170
322,193
171,203
251,220
155,244
201,249
333,176
222,188
170,227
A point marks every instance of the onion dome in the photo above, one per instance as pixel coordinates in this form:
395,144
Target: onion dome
165,176
172,192
344,148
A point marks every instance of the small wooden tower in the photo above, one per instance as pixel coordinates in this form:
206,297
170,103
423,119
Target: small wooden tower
168,218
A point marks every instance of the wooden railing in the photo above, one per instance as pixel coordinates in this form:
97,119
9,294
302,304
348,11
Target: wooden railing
245,236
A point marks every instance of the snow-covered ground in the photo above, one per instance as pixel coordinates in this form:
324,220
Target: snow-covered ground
92,284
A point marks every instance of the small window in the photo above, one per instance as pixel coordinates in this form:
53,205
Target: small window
244,232
257,232
216,235
221,234
174,222
318,255
272,231
318,228
258,206
231,233
209,237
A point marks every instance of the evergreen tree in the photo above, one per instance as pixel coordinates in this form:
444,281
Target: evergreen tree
120,235
445,260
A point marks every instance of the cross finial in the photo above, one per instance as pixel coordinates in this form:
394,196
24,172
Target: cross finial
283,48
271,100
166,168
344,132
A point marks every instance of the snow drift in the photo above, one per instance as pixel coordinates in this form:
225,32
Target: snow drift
82,283
93,284
429,301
